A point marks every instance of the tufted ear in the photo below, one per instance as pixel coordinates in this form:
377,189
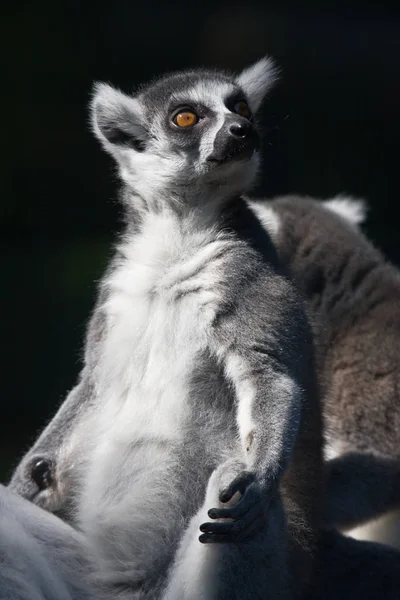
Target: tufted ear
257,80
117,119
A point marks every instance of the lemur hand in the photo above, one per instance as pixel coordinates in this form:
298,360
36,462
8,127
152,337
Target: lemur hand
242,505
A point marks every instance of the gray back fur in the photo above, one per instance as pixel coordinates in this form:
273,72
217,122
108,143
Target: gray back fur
353,295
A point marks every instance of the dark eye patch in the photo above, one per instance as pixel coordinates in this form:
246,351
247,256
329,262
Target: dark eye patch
232,99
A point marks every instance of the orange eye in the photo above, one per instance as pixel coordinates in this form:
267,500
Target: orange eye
186,119
242,109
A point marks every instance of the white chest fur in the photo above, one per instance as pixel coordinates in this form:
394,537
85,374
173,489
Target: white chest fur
163,297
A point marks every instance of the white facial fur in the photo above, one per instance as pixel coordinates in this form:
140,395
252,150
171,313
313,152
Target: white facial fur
163,163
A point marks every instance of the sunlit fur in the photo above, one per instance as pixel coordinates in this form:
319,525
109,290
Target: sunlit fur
353,210
42,558
167,169
198,352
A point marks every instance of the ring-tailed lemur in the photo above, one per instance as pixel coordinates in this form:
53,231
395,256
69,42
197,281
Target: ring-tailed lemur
375,478
354,296
369,492
199,381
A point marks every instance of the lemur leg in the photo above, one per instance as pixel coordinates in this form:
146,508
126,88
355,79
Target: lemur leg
253,566
374,489
352,570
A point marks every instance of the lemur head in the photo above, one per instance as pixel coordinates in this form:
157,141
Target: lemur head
185,132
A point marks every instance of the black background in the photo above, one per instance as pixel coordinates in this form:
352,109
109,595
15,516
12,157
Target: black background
333,126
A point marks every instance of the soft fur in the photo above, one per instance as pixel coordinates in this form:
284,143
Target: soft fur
41,557
199,352
353,296
353,210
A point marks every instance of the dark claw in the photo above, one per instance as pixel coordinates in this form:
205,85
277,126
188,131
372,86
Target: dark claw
227,527
236,531
234,512
244,518
239,484
209,538
228,533
250,497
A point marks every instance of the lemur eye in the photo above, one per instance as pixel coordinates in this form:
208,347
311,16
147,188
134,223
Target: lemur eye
242,109
186,119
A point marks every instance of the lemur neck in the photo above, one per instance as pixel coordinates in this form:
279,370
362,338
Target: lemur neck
201,211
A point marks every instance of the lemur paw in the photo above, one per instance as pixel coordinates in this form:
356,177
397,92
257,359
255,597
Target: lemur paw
243,509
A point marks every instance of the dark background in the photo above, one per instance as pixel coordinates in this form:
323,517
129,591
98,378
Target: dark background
333,127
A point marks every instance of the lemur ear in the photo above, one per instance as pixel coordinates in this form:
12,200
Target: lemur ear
117,119
257,80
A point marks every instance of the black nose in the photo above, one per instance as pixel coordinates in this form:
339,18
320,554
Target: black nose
41,472
241,130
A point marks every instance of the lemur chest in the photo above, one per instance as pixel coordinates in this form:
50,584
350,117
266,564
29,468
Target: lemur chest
163,298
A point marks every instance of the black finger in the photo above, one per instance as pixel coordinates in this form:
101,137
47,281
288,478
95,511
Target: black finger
234,512
250,498
253,514
210,538
218,527
239,484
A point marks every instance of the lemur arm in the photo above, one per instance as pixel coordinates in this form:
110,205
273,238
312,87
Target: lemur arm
269,400
265,347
